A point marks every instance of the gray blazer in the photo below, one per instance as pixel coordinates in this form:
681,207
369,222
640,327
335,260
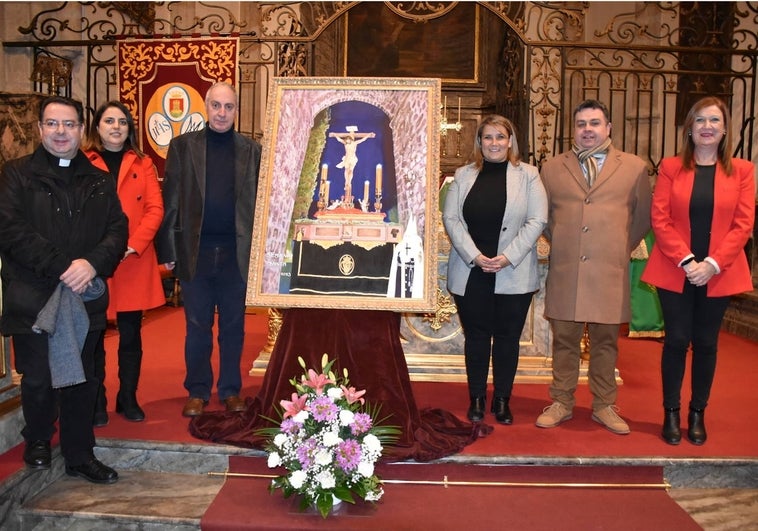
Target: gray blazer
523,221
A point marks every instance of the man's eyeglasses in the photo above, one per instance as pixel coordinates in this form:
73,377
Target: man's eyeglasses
67,124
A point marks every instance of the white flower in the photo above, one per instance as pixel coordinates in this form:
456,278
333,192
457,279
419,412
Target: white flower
372,444
374,495
326,479
280,439
331,438
297,479
366,469
323,458
346,417
335,393
274,460
301,416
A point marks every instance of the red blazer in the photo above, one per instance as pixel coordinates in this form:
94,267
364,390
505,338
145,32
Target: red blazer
732,226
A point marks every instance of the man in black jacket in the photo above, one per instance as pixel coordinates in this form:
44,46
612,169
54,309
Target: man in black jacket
61,226
209,202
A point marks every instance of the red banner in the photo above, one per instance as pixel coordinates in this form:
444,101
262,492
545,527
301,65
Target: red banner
163,83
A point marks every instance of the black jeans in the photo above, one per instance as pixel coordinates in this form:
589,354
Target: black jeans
492,325
690,317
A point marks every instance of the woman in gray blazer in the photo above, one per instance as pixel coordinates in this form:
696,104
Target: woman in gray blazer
494,212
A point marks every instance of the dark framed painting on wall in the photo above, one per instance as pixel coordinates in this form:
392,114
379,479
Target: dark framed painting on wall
382,42
346,213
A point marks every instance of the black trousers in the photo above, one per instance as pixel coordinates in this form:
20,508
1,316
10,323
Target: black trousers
492,325
42,405
690,317
129,326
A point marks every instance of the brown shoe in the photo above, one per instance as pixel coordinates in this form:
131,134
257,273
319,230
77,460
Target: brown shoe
193,407
234,403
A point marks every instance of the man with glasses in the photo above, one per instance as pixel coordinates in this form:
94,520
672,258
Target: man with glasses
61,230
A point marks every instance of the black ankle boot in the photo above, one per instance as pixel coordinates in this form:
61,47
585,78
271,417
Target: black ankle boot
696,431
476,409
671,432
126,404
501,410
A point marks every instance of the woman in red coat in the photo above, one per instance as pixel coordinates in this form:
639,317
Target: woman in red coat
136,284
703,214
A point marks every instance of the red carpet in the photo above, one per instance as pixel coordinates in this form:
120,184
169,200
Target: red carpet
729,434
245,503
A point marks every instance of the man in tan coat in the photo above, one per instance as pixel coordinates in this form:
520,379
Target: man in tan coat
599,210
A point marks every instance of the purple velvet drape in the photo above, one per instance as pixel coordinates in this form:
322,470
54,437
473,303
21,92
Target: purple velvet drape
367,343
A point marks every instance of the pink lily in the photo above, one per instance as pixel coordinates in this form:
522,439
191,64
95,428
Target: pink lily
292,408
317,381
352,395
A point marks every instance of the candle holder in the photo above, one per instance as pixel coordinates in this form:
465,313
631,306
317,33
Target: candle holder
378,202
446,126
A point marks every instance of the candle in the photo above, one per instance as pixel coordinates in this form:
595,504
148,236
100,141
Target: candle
378,178
326,192
365,191
324,171
444,109
459,110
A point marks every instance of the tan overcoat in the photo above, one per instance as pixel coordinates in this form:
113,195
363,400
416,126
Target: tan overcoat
592,233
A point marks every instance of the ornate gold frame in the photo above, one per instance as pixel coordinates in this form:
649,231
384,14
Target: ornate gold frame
290,174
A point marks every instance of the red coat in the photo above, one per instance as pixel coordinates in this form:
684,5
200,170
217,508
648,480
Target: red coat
136,284
732,225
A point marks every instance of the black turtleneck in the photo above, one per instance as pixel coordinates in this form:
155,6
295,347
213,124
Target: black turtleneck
113,161
218,216
484,206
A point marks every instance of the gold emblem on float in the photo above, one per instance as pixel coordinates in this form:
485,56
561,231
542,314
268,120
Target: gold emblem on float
346,264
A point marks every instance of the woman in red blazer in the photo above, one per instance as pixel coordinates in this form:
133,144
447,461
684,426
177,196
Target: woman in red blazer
136,284
703,214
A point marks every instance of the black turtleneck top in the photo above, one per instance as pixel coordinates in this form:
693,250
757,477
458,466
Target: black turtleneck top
484,206
218,228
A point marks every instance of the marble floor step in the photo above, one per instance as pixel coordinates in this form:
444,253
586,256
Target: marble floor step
140,500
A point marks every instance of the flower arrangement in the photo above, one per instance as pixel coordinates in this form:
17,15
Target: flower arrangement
328,441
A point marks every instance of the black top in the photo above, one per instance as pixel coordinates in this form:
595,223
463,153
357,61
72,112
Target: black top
218,216
484,206
701,210
113,161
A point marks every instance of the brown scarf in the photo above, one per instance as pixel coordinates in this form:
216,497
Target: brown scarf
587,159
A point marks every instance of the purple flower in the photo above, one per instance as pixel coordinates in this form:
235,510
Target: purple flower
348,455
306,451
323,409
361,424
289,426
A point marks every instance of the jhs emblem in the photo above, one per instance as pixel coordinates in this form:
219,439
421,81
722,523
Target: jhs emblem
346,264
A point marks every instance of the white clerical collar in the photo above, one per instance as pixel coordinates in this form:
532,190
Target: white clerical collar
64,163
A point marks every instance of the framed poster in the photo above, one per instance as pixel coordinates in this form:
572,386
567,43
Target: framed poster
346,212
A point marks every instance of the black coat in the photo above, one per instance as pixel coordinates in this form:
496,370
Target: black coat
45,224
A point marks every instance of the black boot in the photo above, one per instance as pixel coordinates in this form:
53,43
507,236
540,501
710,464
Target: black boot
501,410
129,364
476,409
671,432
696,431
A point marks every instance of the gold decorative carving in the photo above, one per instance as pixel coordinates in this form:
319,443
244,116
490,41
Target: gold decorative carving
445,308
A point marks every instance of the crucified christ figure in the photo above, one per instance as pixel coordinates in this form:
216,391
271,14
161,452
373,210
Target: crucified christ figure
350,140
